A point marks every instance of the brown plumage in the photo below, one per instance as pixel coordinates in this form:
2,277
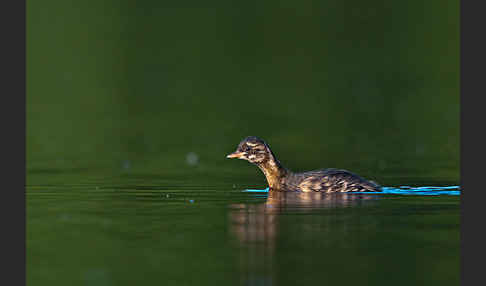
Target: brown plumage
256,151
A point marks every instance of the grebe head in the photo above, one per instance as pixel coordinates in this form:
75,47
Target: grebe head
252,149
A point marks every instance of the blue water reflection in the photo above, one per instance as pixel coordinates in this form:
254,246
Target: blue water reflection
402,190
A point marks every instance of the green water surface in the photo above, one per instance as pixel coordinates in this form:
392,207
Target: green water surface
133,230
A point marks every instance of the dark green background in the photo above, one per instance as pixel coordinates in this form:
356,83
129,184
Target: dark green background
369,86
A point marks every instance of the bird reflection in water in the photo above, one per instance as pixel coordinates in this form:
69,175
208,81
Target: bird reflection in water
255,226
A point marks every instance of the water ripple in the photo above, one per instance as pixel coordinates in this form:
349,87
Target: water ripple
402,190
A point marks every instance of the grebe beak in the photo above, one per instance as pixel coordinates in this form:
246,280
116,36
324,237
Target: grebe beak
236,154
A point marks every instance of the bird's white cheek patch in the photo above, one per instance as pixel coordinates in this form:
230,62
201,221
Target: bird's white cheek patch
252,157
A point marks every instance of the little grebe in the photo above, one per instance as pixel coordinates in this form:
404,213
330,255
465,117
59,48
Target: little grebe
256,151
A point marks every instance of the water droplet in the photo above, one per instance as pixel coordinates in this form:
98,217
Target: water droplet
65,217
97,277
192,159
126,164
420,149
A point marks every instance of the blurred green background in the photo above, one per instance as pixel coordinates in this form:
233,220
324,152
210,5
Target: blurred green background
369,86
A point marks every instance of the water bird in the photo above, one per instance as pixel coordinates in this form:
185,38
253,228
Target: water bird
279,178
